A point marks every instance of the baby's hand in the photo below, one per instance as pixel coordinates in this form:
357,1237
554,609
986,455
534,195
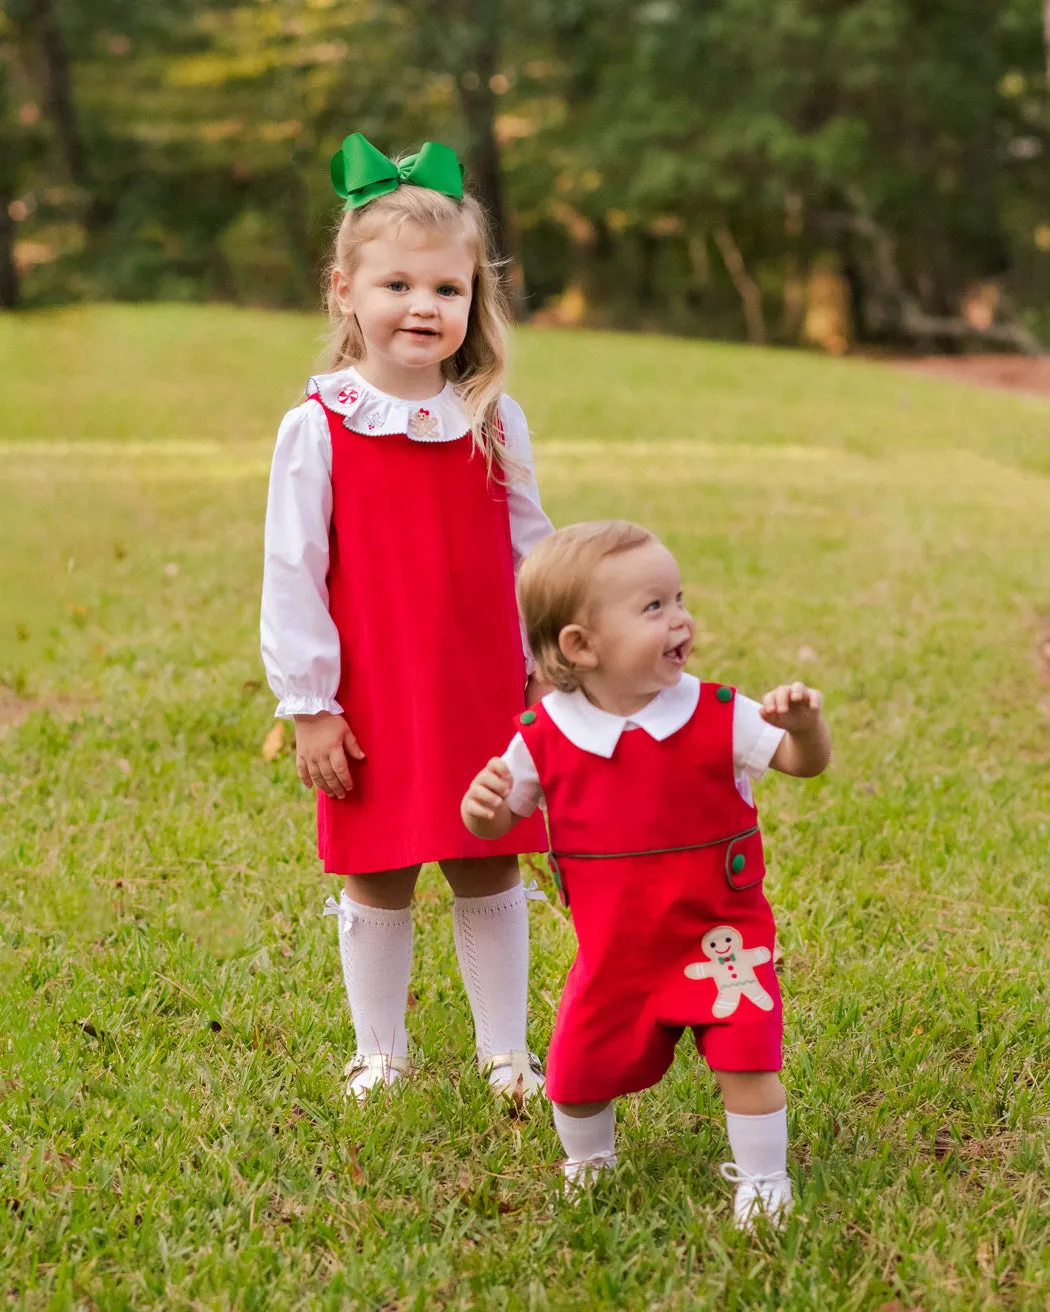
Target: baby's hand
322,743
793,707
489,791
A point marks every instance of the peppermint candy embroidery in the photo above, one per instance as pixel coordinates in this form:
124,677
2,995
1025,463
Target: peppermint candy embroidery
349,395
423,425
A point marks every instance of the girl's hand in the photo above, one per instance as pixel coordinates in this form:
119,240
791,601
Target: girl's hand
793,707
322,744
488,793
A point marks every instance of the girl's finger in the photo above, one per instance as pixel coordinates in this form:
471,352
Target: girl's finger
500,767
474,807
317,778
353,746
798,692
303,772
816,699
335,788
342,770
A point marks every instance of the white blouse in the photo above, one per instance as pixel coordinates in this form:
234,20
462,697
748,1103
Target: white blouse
593,730
300,643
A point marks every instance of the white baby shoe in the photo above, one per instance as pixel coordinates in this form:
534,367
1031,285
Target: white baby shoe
582,1176
758,1196
366,1071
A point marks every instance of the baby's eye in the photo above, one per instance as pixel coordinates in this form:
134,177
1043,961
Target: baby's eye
397,285
653,605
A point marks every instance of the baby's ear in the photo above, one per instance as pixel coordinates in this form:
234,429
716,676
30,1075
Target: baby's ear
575,646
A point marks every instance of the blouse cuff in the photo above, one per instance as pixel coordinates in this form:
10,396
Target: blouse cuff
288,707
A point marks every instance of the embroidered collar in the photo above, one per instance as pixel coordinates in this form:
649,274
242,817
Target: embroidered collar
593,730
366,410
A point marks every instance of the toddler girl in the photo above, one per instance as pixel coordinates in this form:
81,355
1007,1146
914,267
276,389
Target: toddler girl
402,499
646,776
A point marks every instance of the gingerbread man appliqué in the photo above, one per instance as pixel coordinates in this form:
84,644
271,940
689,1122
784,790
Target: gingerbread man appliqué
731,966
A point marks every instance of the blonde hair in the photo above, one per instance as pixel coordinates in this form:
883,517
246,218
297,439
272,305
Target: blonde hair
478,367
554,587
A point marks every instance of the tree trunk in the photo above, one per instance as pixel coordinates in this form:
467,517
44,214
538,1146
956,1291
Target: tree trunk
43,28
1046,37
747,288
8,270
477,65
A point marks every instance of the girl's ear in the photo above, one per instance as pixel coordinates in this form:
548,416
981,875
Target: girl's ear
574,643
341,292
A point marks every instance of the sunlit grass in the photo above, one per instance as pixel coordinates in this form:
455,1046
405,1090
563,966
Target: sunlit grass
171,1018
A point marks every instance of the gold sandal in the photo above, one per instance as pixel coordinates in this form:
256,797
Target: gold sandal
384,1070
525,1080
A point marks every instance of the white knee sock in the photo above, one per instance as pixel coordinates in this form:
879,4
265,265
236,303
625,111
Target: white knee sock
759,1143
492,944
585,1138
375,947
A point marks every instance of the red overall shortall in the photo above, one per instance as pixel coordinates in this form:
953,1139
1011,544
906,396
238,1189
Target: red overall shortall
661,864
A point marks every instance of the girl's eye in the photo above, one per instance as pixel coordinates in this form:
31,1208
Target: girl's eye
446,290
397,285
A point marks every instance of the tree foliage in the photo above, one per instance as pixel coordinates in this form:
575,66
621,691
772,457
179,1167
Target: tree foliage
698,167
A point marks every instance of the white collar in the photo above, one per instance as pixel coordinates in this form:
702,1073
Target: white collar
593,730
365,409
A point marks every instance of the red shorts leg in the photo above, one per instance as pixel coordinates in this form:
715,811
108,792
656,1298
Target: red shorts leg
754,1044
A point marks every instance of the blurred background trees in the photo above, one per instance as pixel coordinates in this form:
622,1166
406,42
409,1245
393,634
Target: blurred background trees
828,171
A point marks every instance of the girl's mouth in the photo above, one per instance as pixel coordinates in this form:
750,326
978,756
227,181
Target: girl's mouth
421,332
677,655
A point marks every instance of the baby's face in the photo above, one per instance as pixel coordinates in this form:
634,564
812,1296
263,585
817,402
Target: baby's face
641,632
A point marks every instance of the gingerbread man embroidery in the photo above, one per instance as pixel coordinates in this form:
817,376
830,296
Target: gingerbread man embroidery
423,424
731,966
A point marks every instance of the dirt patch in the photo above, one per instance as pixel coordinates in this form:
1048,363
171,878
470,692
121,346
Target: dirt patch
1024,374
14,710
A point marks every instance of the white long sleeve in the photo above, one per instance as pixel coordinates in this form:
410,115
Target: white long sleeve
300,643
528,523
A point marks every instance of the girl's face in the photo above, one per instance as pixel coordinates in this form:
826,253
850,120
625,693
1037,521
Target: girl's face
637,634
411,293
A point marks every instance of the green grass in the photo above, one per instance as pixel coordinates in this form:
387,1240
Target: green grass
172,1022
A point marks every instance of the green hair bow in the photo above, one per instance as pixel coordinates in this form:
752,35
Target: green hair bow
360,172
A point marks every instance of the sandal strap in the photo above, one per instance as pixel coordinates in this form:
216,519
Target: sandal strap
380,1064
525,1067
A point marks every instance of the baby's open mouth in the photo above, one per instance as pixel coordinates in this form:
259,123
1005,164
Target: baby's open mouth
677,655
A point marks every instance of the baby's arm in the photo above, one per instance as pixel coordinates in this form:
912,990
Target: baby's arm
506,791
484,808
805,749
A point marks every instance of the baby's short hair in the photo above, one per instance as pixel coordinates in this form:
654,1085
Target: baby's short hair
554,582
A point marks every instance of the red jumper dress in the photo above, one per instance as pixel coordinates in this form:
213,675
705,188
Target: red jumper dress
660,861
421,590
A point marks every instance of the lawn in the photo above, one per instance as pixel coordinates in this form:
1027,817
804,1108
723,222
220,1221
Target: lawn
172,1023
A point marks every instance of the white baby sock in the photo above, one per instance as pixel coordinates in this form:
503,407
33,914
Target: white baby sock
589,1143
375,947
759,1143
492,944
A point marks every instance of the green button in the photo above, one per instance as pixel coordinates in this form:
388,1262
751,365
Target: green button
724,694
528,717
738,863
